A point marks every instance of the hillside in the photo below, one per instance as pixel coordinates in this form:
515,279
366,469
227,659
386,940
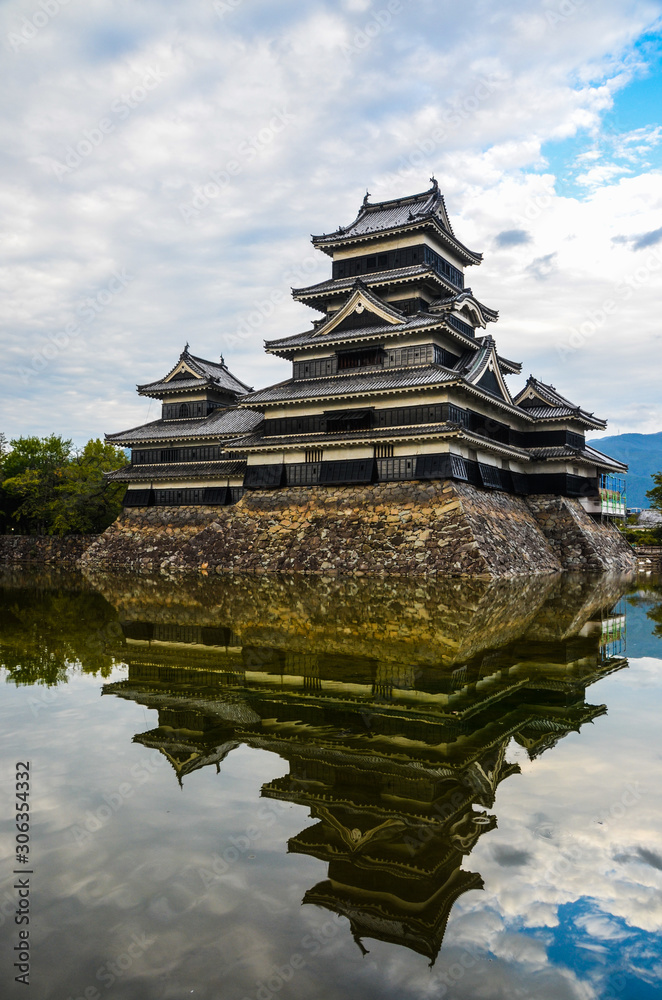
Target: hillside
643,453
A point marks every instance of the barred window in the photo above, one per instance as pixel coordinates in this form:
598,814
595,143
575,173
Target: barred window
313,454
383,451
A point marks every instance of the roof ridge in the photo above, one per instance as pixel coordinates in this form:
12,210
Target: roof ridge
407,199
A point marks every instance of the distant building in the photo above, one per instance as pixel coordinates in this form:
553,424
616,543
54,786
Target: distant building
398,380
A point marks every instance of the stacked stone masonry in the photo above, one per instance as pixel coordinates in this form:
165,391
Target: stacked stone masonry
43,550
396,529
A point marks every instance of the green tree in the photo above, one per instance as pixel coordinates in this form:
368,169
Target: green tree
655,494
48,488
84,502
31,471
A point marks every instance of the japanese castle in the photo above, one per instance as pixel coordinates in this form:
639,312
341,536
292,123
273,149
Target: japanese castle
399,379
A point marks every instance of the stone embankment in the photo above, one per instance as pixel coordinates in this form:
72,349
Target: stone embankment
398,529
44,550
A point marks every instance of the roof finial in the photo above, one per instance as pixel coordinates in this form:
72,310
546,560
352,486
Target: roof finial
365,200
185,351
433,182
222,360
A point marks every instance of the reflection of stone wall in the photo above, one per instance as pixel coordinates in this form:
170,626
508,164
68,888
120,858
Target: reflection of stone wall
399,529
393,620
40,550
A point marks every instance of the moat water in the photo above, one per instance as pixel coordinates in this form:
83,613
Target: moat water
257,788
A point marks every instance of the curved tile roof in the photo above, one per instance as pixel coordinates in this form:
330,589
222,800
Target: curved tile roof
400,213
221,422
356,382
209,373
179,470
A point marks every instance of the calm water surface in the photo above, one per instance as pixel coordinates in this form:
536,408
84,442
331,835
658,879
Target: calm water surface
249,789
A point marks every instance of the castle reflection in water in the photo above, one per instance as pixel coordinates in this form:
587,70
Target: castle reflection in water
393,703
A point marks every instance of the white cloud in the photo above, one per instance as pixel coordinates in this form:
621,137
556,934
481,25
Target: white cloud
267,124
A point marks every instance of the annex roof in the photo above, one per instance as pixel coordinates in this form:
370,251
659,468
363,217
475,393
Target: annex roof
543,402
221,423
178,470
419,211
586,454
192,372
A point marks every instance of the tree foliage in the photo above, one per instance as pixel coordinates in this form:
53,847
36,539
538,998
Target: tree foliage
46,632
47,487
655,493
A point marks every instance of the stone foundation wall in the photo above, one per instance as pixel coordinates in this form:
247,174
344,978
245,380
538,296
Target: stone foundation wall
579,541
43,550
398,529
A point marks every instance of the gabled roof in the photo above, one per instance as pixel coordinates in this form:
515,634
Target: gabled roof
334,333
316,295
192,372
484,371
543,402
362,300
464,300
426,210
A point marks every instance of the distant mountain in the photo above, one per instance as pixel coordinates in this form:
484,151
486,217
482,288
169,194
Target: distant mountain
643,454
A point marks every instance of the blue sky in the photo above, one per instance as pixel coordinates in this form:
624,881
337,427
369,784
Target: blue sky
634,113
164,164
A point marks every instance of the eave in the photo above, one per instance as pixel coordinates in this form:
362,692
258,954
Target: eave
124,438
457,383
578,416
322,291
335,241
159,390
509,367
281,350
419,433
177,471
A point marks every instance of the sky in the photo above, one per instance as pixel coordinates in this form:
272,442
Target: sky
163,166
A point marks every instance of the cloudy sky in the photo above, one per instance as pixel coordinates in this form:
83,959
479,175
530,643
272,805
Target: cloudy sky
163,165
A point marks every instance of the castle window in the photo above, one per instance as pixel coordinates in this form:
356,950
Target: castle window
383,451
366,358
183,410
313,454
